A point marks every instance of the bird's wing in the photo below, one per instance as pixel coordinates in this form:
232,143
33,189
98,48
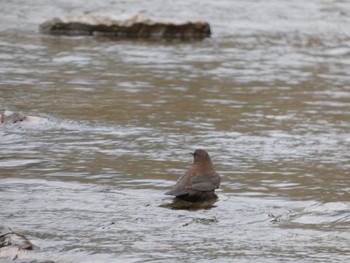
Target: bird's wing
177,191
179,188
205,183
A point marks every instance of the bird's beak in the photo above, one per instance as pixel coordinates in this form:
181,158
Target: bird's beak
192,154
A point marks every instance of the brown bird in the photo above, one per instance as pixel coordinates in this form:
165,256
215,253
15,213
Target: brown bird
199,181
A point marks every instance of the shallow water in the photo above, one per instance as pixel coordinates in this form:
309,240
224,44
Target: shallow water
267,96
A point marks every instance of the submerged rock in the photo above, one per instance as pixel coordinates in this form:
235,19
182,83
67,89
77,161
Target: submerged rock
13,246
180,204
12,243
138,26
14,117
10,238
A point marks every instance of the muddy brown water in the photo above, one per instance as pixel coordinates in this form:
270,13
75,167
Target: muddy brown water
267,96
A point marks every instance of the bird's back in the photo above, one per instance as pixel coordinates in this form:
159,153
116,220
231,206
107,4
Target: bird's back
196,180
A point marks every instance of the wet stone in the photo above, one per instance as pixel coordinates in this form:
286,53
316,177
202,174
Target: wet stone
10,117
10,238
180,204
13,244
138,26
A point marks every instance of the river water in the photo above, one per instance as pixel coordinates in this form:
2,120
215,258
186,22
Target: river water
268,97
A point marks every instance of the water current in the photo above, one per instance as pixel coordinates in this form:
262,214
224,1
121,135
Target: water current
268,97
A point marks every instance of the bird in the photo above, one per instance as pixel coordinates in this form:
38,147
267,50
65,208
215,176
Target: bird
199,181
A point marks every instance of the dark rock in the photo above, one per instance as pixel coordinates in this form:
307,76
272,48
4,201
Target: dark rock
181,204
138,26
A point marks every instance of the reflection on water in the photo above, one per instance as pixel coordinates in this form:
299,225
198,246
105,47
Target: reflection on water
267,96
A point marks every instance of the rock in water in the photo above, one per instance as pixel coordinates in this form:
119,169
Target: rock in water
13,247
138,26
14,117
10,238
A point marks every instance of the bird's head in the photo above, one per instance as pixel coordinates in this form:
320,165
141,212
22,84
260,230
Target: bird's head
200,155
